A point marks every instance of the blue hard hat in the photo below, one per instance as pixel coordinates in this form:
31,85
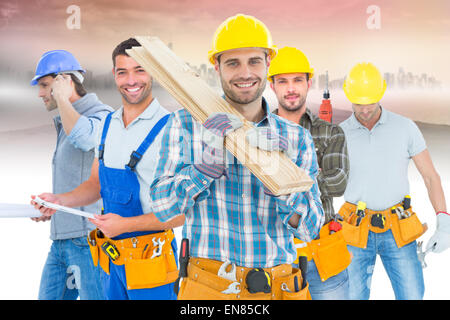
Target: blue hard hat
55,61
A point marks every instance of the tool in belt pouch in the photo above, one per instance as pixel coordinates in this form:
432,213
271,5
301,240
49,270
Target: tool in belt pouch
211,279
401,219
329,251
149,260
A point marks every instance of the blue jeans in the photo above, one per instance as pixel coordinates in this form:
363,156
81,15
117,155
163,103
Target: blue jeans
69,272
334,288
401,264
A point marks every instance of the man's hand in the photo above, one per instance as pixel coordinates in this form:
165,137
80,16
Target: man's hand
440,241
217,126
264,138
110,224
62,88
47,212
41,218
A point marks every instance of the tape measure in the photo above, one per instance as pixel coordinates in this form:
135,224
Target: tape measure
258,280
111,251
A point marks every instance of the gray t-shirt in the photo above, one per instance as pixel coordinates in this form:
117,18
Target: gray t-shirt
379,159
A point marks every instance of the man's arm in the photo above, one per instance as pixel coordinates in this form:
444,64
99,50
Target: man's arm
81,131
62,90
332,177
113,225
302,212
432,181
178,185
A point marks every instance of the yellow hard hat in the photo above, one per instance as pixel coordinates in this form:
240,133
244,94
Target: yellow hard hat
241,31
364,84
289,60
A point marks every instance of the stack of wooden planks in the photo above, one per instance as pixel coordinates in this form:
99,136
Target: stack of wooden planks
274,169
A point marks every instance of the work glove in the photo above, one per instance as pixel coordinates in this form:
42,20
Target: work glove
440,241
266,139
217,127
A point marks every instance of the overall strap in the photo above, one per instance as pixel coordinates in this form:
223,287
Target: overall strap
137,155
101,147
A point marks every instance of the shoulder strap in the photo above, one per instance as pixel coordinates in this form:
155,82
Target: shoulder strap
101,147
136,156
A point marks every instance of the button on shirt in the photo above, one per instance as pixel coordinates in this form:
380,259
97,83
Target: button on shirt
121,142
232,219
379,159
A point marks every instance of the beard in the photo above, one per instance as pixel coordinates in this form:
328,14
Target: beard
293,108
240,98
51,104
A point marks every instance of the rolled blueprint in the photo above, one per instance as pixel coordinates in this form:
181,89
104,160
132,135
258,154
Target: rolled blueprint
62,208
10,210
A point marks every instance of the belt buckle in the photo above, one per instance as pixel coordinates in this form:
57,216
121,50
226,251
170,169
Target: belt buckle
378,220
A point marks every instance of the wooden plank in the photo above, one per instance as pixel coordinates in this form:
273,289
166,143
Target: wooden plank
274,169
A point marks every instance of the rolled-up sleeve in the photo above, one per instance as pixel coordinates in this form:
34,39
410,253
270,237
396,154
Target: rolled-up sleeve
335,165
305,204
84,134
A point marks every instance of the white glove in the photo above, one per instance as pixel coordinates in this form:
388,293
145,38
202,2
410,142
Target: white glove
440,241
266,139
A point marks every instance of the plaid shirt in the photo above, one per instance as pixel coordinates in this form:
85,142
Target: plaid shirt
332,156
233,219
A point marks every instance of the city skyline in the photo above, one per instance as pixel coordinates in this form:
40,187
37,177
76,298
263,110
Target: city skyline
334,35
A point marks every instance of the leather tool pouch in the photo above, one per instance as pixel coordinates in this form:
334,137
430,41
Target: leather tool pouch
354,235
408,229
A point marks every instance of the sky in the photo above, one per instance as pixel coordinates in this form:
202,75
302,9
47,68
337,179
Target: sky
334,35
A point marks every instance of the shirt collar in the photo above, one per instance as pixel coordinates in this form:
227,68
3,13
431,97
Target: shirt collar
268,116
85,102
307,116
147,114
383,119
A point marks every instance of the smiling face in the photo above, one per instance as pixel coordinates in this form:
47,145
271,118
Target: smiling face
243,74
132,81
291,90
45,92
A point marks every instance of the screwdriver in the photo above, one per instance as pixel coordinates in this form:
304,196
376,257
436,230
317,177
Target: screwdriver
360,212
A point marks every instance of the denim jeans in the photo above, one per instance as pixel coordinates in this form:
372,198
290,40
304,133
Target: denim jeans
334,288
401,264
69,272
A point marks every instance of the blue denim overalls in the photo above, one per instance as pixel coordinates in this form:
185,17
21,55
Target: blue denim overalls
120,193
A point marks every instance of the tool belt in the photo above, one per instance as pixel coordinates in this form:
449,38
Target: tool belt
149,260
329,252
204,282
404,230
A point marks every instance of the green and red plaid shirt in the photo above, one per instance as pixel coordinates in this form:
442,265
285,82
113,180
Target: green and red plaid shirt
332,156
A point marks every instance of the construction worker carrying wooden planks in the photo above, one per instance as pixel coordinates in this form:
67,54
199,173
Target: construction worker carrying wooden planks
290,77
136,251
240,235
378,216
59,77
